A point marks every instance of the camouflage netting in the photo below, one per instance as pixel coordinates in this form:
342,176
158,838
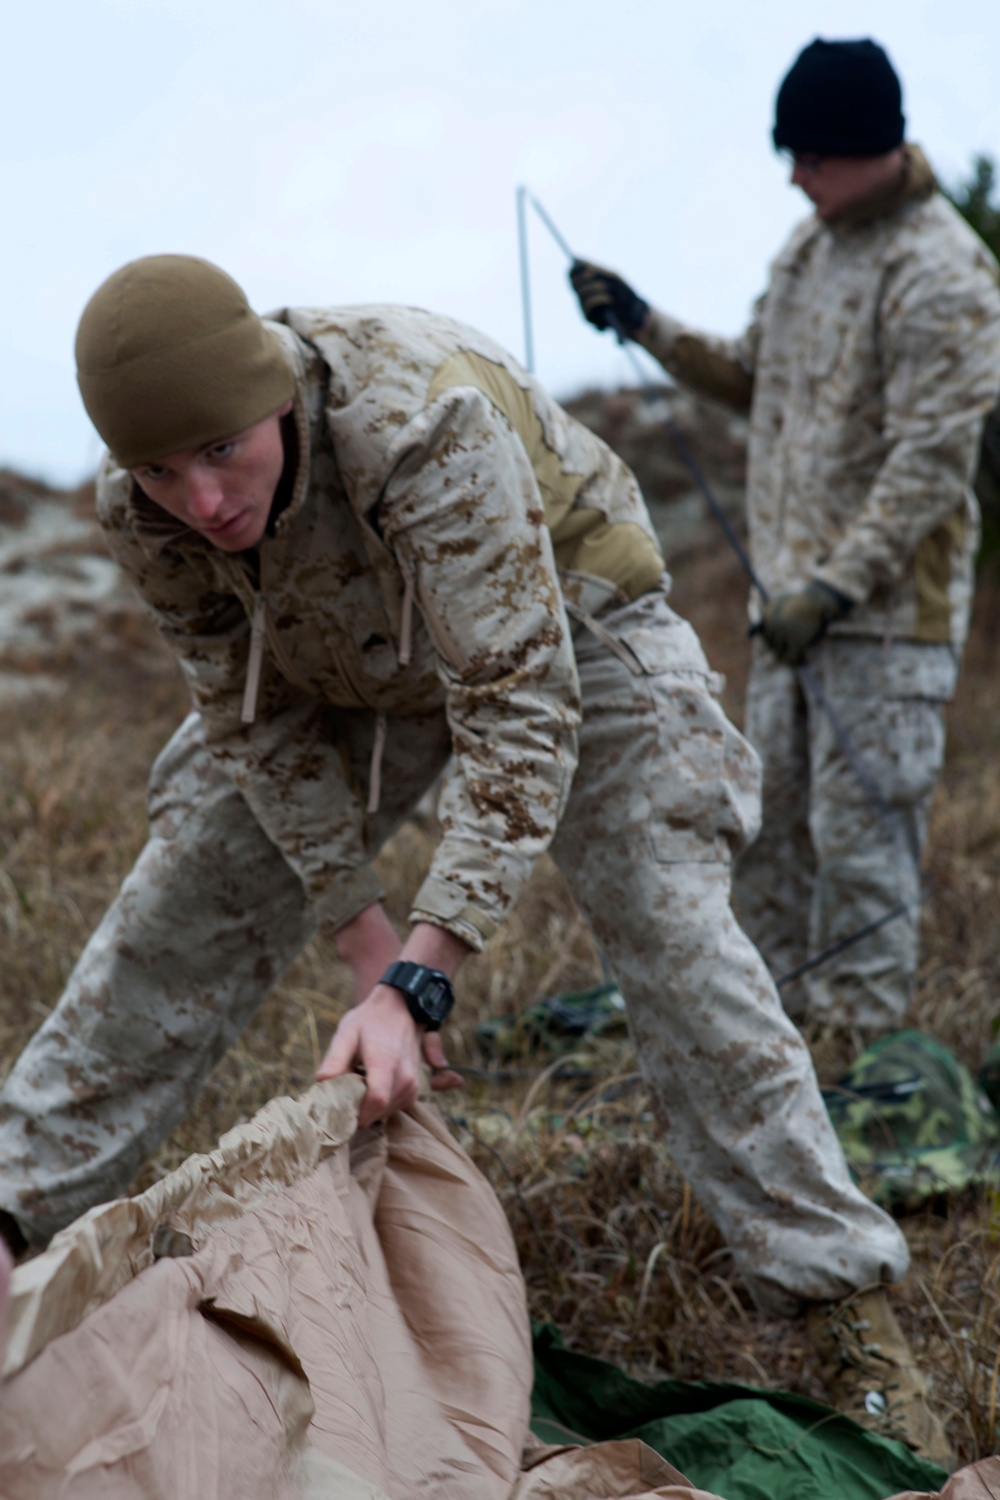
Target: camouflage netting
913,1122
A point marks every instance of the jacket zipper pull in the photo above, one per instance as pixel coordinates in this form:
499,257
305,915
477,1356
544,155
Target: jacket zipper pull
249,711
375,768
617,647
406,622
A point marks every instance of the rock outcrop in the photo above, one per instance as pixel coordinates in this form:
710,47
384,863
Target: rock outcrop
633,422
61,595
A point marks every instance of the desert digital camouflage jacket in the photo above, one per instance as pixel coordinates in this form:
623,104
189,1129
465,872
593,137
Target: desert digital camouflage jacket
868,368
445,514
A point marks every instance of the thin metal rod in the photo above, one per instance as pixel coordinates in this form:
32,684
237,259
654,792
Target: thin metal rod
695,470
522,243
550,226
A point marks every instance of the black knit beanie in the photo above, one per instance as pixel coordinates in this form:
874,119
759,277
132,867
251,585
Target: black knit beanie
840,99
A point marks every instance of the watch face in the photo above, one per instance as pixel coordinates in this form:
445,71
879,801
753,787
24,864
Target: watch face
428,993
435,998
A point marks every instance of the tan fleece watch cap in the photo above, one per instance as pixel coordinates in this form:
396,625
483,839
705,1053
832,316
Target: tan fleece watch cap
170,356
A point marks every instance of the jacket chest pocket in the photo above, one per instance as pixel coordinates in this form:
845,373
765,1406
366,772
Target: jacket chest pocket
841,337
824,349
445,644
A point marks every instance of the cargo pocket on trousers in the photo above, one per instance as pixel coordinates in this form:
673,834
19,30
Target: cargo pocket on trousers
900,742
704,785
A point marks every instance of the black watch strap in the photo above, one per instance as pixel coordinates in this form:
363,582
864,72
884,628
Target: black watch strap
428,993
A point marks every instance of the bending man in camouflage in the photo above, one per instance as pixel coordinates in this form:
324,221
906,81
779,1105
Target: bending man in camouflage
383,554
867,371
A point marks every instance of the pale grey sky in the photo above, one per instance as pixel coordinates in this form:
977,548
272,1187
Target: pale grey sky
325,152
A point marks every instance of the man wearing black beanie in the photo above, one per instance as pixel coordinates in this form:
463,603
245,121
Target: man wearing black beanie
840,99
870,363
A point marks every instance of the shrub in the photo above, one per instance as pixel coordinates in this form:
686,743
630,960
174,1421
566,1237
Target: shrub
975,202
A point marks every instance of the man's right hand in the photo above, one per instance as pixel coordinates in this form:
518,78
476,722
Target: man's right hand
604,297
795,621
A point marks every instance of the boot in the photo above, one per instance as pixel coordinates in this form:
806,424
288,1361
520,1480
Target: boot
871,1373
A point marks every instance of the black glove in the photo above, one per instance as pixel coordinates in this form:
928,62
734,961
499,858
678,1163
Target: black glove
794,622
602,292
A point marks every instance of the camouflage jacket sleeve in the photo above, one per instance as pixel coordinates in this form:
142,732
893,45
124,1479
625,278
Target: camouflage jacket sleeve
722,369
278,761
940,343
463,515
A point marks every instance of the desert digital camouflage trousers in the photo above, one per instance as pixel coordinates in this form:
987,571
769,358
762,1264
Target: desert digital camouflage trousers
665,792
824,864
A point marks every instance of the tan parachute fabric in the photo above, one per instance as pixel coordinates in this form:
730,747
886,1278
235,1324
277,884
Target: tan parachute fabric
103,1250
630,1470
350,1323
293,1317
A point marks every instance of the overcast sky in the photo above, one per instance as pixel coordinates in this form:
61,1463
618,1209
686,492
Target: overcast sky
326,153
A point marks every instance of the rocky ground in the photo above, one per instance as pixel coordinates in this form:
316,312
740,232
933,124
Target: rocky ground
62,598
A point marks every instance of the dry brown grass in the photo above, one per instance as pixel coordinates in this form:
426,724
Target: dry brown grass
614,1248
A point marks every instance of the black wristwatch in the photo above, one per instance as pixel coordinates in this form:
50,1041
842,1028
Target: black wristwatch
428,993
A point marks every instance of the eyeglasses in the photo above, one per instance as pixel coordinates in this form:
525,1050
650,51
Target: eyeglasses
807,160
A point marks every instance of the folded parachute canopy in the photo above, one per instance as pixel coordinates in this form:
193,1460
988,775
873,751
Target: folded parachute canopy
310,1314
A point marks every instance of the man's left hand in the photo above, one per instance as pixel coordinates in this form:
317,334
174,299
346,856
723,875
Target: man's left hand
793,622
379,1036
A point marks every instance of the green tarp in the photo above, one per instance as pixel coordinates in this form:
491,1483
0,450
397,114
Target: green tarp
739,1441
